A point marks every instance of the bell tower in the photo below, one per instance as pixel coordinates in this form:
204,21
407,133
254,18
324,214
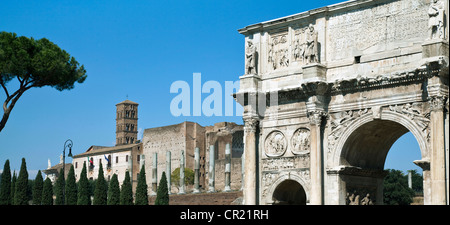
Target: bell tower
126,122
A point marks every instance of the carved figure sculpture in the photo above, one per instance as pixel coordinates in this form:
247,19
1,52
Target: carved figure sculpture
284,61
311,45
366,200
436,12
300,141
275,144
250,58
300,45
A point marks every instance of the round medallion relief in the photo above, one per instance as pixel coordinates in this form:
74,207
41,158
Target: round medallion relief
275,144
301,141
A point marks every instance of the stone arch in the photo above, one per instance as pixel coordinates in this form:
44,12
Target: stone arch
338,158
361,151
288,179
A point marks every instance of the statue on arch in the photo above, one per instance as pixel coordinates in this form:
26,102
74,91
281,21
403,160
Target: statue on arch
250,58
311,53
436,12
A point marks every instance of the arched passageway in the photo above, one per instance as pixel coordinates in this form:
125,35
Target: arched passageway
364,155
368,146
289,192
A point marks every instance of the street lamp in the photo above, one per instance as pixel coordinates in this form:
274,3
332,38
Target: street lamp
68,144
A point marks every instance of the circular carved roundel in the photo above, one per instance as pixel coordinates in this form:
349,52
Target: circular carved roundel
301,141
275,144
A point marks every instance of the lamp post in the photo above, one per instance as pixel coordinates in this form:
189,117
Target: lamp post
68,144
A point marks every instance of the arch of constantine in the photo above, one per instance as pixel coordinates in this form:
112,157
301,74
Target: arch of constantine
327,92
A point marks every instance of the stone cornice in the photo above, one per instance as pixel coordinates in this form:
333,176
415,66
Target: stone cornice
303,91
319,12
356,171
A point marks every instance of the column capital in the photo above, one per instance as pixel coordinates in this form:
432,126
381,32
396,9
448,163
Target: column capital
250,124
437,103
315,117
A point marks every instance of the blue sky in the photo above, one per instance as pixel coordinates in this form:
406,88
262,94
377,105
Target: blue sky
135,48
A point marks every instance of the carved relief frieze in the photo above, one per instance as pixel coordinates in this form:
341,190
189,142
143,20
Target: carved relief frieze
305,45
416,112
339,121
278,53
285,163
365,28
360,196
275,144
267,180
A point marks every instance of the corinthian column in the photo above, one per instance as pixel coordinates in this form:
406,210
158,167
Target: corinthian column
250,164
437,167
316,166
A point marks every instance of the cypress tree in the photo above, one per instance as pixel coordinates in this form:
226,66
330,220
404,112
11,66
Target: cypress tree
141,189
71,188
126,193
47,192
162,196
5,185
101,188
37,189
13,187
114,191
59,188
84,192
20,195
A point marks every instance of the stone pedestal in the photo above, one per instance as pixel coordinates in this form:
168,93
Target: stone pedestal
249,82
314,72
434,47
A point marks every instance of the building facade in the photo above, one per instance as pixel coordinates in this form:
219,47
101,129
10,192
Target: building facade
171,145
124,157
340,84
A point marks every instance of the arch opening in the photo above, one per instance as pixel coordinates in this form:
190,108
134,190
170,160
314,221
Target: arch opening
364,155
289,192
368,146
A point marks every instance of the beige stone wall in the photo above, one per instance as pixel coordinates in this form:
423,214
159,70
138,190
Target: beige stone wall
186,136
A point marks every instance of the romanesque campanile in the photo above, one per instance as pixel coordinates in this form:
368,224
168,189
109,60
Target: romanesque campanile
126,122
